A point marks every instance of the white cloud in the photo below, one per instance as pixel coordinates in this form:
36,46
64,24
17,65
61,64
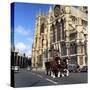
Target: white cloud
21,30
28,53
21,46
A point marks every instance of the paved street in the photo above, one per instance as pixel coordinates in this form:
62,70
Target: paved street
25,78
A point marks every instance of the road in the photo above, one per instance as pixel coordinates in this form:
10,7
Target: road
25,78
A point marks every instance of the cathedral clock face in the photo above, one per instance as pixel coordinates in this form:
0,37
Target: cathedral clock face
56,10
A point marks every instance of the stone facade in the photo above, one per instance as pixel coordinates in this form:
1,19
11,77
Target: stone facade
63,29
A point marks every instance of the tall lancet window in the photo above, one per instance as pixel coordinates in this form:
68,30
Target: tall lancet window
58,30
63,49
42,28
53,29
62,28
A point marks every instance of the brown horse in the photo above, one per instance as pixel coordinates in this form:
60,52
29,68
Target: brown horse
52,67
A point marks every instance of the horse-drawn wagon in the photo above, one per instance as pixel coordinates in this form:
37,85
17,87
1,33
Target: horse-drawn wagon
57,67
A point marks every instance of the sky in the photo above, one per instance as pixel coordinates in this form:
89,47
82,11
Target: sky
24,22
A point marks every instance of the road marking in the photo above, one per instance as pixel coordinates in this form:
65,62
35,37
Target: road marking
32,73
46,79
39,76
51,81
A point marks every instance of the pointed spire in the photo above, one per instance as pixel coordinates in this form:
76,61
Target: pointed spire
50,9
67,10
79,21
78,14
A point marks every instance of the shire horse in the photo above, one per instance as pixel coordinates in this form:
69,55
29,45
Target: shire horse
52,68
63,67
57,67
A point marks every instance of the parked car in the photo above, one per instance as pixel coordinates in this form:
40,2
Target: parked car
84,69
15,68
72,67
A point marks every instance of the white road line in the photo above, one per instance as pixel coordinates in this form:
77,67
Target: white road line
51,81
39,76
47,79
32,73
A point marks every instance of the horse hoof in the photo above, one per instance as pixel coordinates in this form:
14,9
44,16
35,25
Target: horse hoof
53,76
62,75
67,74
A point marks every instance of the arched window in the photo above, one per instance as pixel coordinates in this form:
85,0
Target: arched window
73,48
63,49
58,30
53,29
62,28
42,28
